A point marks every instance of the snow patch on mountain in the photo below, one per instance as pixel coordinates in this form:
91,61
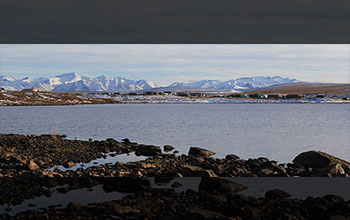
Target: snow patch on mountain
240,84
72,82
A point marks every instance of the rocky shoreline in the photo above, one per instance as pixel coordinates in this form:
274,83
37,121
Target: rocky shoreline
36,154
30,167
216,198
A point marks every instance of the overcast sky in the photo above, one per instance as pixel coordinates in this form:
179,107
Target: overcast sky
167,63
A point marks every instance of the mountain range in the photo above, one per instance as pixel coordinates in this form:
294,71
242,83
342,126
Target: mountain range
72,82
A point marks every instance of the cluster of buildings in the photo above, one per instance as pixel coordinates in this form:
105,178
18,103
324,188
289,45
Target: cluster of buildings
213,94
244,95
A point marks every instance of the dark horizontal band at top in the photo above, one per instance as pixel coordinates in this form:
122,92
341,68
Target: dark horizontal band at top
175,21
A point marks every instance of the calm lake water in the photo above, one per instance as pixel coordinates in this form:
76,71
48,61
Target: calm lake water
276,131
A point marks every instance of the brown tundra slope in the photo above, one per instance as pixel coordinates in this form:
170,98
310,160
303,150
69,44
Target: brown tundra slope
308,88
50,98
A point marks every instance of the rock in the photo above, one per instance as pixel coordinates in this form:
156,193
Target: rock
176,152
168,148
190,171
318,159
73,206
126,141
231,157
338,217
176,185
209,173
48,173
212,184
332,170
265,172
33,166
321,203
125,209
280,169
196,213
148,150
276,194
147,165
68,164
333,199
199,152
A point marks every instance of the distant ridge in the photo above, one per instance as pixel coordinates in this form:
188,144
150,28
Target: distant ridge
307,88
72,82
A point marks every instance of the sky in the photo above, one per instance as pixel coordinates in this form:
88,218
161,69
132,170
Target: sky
167,63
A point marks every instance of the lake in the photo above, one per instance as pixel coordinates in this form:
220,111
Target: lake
276,131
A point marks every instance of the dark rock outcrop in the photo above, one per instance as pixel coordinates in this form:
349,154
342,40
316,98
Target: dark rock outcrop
199,152
168,148
147,150
318,159
231,157
322,163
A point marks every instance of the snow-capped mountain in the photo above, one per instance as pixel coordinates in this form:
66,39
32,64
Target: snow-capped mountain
72,82
240,84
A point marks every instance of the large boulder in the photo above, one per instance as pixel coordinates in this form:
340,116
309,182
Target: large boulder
215,184
331,170
318,159
199,152
147,150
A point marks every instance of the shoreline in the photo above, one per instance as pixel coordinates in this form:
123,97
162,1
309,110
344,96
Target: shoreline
48,151
16,98
30,167
145,103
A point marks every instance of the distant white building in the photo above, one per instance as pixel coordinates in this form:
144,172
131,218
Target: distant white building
31,90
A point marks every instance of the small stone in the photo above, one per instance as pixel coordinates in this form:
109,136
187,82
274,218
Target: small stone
201,152
220,185
126,140
276,193
176,185
68,164
338,217
168,148
32,166
266,172
231,157
125,209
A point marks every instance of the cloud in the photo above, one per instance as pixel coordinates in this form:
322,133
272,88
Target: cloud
167,62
